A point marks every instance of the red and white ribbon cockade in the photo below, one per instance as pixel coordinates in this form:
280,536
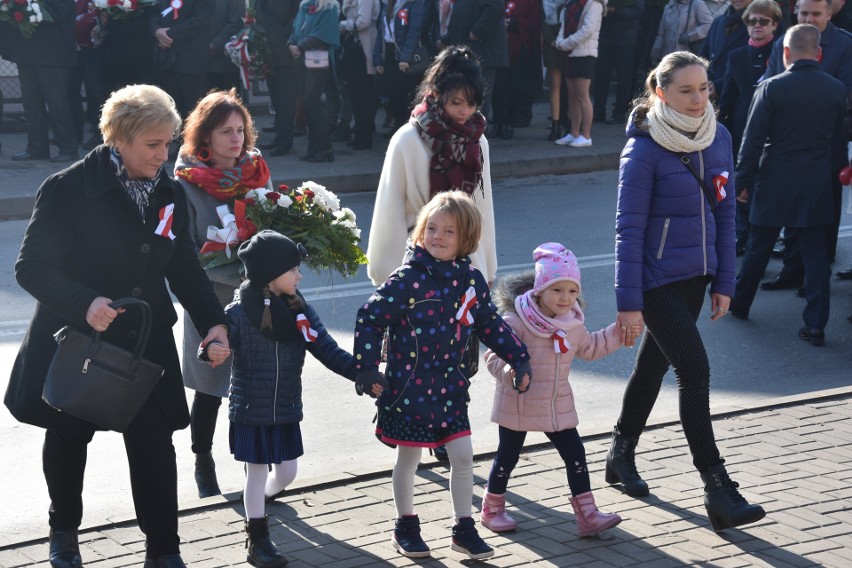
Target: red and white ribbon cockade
560,341
467,302
510,7
173,8
235,229
164,228
403,15
719,184
304,326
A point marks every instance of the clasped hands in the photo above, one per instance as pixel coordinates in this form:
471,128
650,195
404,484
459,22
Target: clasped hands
629,326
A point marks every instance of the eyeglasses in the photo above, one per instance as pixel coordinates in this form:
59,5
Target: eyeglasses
751,22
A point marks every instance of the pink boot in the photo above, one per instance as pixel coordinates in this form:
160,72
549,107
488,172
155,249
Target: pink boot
494,514
590,521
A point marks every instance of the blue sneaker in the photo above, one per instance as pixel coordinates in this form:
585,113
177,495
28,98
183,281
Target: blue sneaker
406,537
467,540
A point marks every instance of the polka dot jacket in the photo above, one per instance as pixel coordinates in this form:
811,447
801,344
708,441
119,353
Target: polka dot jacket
430,308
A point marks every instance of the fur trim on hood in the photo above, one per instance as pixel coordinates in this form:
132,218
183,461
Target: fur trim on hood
507,288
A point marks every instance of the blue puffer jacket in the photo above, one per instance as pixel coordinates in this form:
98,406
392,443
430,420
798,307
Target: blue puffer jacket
665,229
266,375
419,304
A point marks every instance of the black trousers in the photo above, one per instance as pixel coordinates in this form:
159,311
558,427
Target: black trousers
362,96
153,477
44,88
282,86
672,339
400,87
814,256
185,89
202,421
567,443
616,59
312,83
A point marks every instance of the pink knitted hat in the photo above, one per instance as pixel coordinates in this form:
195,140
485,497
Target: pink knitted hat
554,262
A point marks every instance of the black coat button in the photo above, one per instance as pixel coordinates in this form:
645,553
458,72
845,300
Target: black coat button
145,248
136,292
132,334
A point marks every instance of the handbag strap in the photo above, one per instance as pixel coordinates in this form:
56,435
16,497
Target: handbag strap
707,192
144,328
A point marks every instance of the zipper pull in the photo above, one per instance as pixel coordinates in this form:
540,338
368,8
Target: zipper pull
86,366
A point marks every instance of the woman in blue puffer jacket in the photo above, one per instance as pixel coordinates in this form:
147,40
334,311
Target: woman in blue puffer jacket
674,236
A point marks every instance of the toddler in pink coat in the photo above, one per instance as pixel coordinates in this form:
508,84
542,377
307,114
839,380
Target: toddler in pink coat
544,312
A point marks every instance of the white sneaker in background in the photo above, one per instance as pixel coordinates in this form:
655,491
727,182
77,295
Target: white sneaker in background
565,140
581,142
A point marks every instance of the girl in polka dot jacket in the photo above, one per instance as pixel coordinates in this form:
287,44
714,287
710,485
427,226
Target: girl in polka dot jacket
429,307
543,311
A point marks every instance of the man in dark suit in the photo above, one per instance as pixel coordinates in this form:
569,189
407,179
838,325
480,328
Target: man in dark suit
727,33
44,64
182,34
785,166
277,17
836,60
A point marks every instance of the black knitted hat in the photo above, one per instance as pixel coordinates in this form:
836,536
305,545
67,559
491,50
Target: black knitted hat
268,255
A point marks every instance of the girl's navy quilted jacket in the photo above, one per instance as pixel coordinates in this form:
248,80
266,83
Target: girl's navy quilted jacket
419,305
266,375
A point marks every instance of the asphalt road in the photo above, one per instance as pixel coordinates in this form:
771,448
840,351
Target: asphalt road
751,361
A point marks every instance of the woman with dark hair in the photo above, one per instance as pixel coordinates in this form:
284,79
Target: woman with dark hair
216,164
110,226
441,148
674,237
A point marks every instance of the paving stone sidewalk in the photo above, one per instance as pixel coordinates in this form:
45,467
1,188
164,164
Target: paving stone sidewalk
794,460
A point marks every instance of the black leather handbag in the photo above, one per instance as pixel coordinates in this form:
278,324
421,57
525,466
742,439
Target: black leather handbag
100,382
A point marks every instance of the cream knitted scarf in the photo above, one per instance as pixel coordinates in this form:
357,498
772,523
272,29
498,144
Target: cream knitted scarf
680,133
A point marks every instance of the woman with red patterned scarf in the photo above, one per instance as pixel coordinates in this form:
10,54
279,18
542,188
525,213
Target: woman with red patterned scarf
217,164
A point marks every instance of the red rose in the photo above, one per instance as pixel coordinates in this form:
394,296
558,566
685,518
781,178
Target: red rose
309,194
273,196
21,3
283,187
19,16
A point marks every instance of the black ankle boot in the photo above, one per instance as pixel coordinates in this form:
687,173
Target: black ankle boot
64,549
262,552
167,561
555,131
621,465
205,475
406,537
725,506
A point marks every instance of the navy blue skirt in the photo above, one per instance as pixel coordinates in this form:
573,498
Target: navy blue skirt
265,444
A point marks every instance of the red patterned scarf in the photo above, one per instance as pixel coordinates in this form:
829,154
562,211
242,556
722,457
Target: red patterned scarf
250,172
456,153
573,13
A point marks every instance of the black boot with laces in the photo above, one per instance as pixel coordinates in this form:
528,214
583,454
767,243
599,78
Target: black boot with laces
621,465
725,506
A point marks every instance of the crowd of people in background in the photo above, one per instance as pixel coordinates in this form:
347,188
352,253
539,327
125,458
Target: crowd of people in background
582,54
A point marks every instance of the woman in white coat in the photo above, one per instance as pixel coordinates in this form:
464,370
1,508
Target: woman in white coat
446,118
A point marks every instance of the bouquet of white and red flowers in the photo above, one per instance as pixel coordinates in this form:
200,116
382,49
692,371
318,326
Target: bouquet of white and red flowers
26,14
123,9
309,214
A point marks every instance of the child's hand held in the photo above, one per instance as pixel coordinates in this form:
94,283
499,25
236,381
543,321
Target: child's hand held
523,377
371,382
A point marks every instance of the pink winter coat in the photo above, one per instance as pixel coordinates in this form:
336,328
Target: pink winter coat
548,405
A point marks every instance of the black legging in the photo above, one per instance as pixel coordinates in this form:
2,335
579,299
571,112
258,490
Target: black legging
205,410
566,442
672,337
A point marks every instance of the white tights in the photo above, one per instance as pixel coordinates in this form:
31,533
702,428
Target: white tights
259,485
460,452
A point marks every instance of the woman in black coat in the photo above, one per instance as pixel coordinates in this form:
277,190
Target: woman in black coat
100,231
